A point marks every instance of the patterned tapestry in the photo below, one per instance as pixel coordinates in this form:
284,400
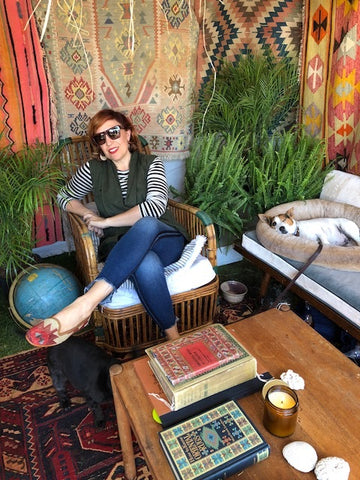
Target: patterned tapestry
138,57
331,78
25,105
229,28
26,109
149,60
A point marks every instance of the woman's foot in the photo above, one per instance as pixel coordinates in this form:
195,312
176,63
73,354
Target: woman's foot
172,333
48,332
55,330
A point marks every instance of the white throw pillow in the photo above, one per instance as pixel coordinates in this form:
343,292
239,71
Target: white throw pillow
341,187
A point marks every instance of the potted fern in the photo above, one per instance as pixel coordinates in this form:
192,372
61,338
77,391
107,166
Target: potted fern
29,179
248,152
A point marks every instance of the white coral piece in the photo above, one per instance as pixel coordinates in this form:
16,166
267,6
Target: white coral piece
300,455
293,380
332,468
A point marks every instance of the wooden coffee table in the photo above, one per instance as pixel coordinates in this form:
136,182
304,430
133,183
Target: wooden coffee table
329,415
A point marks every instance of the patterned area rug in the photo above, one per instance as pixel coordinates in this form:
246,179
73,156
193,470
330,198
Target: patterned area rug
39,441
233,312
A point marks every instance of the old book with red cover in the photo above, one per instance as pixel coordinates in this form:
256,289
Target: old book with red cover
199,364
161,404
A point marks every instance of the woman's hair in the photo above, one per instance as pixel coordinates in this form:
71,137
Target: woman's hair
107,114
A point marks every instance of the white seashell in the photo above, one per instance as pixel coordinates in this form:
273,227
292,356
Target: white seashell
300,455
332,468
293,380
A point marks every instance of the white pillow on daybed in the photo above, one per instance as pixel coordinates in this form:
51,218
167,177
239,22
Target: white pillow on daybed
341,187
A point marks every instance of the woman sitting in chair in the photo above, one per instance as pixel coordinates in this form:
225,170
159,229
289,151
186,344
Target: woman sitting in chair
139,237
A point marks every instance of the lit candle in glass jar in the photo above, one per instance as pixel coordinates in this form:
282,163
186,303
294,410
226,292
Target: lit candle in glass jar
281,399
280,410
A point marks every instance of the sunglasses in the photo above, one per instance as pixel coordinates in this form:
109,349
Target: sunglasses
113,133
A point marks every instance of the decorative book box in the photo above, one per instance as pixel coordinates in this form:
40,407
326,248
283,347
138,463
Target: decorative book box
200,364
214,444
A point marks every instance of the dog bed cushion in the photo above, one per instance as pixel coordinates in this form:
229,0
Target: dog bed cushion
296,248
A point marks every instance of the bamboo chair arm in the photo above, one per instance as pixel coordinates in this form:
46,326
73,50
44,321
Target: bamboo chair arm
84,249
196,222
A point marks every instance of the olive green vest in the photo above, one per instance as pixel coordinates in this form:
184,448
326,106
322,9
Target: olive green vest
109,199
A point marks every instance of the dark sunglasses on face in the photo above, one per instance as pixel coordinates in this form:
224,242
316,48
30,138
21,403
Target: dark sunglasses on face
113,133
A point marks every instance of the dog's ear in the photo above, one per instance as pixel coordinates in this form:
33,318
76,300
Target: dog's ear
264,218
290,212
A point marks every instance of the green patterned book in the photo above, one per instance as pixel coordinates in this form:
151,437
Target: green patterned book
213,445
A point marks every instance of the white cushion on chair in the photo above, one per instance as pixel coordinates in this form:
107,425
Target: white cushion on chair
191,271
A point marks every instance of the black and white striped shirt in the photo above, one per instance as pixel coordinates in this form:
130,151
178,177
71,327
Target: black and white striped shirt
157,190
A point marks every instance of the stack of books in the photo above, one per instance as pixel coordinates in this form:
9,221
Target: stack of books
200,364
191,383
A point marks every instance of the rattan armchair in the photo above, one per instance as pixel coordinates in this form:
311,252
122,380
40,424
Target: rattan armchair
131,330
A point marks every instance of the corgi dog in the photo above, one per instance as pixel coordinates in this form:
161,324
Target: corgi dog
328,231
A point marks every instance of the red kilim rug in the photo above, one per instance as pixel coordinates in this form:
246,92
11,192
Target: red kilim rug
39,441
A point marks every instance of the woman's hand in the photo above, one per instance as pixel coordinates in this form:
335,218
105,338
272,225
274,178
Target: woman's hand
95,223
125,219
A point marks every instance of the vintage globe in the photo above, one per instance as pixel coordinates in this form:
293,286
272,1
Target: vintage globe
41,291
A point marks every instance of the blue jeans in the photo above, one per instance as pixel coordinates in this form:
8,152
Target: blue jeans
141,255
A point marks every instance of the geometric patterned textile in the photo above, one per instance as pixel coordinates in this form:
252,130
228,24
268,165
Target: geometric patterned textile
25,105
233,28
149,59
26,110
39,441
331,78
134,56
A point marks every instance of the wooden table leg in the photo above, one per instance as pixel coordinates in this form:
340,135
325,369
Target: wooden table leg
264,285
124,427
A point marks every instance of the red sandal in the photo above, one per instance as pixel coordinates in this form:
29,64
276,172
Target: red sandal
47,333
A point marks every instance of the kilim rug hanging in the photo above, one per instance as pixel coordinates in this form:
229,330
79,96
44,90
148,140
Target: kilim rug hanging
331,78
26,110
138,57
38,441
147,59
228,29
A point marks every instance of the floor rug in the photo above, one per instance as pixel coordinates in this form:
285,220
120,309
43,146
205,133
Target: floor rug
39,441
233,312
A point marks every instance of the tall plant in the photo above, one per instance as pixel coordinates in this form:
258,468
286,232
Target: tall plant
288,167
248,152
29,179
216,165
257,93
